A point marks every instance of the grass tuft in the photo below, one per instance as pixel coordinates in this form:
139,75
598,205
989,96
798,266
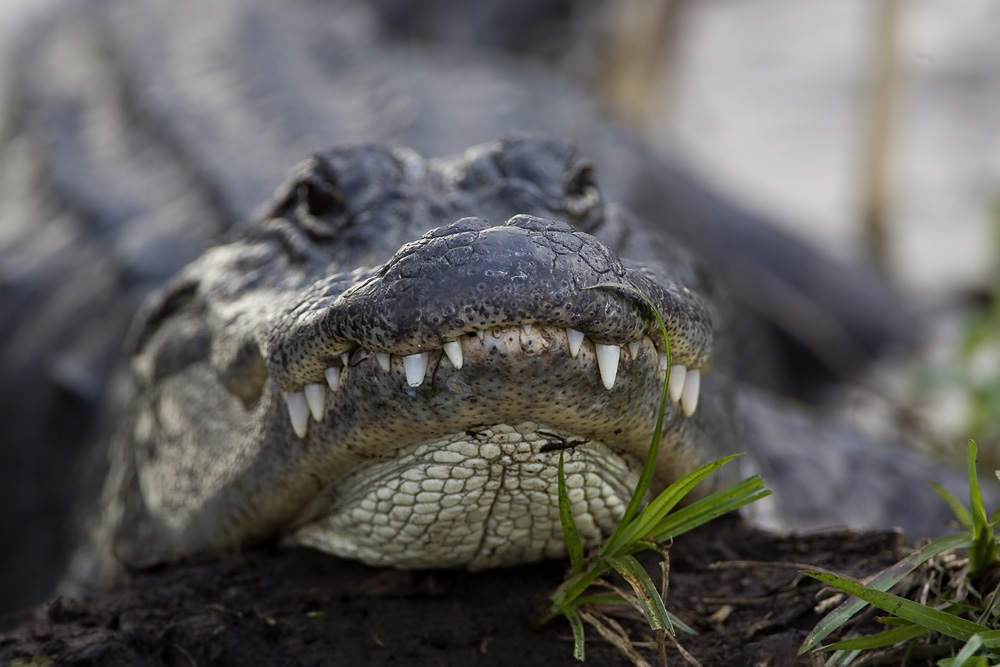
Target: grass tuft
639,530
954,616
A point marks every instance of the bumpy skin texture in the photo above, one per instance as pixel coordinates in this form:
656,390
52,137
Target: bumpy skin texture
368,251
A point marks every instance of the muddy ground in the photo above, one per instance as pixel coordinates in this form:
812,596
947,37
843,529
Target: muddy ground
299,607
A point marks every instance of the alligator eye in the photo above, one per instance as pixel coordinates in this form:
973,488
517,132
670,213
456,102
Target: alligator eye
319,200
581,198
312,198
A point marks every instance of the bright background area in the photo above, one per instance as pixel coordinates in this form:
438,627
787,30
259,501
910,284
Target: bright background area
768,103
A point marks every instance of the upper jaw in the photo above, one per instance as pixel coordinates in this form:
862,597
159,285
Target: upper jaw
470,277
436,298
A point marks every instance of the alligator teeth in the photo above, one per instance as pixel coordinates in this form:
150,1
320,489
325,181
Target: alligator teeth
298,411
454,352
692,386
675,385
333,378
527,328
344,358
415,366
481,333
316,398
607,362
663,362
633,349
575,341
384,360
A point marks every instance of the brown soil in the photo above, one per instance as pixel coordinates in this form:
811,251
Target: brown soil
300,607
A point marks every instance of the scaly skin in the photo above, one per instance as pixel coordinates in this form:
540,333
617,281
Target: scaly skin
387,364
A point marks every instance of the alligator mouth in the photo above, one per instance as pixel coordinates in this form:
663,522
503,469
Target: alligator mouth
310,404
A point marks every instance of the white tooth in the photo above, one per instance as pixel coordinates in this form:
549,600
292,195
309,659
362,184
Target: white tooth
675,385
481,333
633,349
344,358
607,362
663,362
692,385
527,328
316,398
333,378
575,341
298,411
384,360
415,366
454,352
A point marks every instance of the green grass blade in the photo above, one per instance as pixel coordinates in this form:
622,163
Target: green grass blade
990,639
600,598
887,638
574,545
710,507
654,512
649,597
932,619
577,625
960,511
678,624
882,582
979,520
648,466
967,656
984,550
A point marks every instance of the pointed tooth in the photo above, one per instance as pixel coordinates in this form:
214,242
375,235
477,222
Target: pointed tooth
384,360
633,349
333,378
415,366
527,328
316,398
454,352
607,362
692,387
481,333
344,358
675,385
298,411
575,341
663,362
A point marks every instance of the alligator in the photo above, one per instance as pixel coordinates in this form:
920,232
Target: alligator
389,363
138,135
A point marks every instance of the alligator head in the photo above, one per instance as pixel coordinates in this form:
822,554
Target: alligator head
389,362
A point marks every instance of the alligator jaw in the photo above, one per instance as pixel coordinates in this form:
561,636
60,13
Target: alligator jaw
310,404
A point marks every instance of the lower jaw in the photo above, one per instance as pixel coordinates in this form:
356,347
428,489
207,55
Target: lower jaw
474,499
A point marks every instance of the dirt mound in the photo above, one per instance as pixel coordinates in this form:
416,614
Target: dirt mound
300,607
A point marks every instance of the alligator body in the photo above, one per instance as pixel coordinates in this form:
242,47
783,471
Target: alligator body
137,135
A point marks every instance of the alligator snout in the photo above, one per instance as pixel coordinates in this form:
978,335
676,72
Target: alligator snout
469,277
